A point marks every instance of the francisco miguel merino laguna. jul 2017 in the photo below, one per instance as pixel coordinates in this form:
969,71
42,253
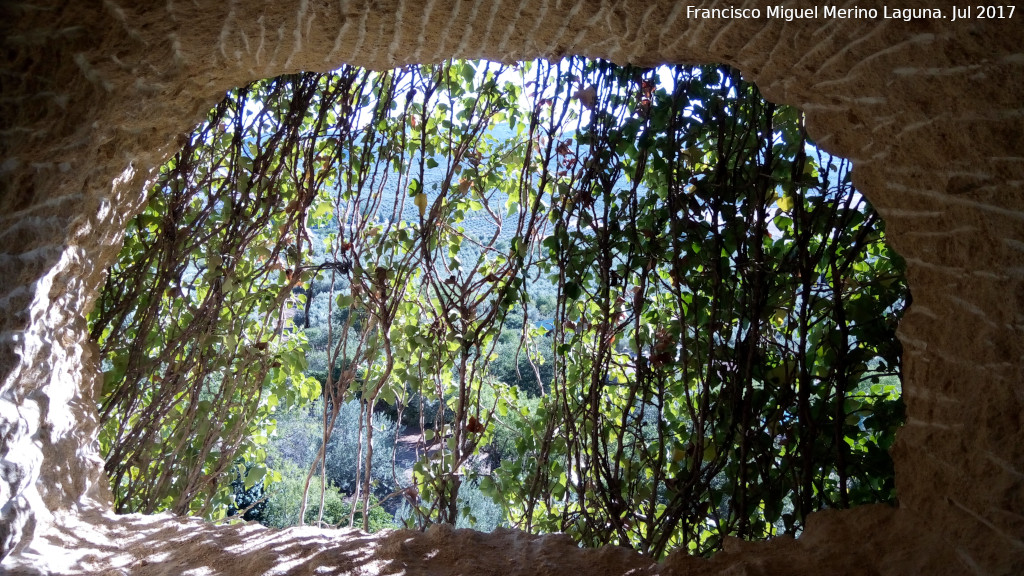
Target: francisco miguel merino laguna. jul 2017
835,12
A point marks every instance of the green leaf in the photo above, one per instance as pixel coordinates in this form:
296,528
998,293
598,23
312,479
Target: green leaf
322,210
468,73
254,475
573,290
785,203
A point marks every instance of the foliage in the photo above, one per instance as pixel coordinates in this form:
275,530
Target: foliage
425,298
297,441
526,363
192,319
479,511
632,305
343,449
250,498
721,296
284,500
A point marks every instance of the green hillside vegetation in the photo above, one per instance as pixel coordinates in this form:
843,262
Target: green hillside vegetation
633,305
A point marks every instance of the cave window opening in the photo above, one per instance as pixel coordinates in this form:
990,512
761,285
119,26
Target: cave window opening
636,305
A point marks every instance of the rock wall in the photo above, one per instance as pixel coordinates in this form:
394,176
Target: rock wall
95,94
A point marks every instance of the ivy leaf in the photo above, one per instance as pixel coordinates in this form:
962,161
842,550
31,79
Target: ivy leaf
421,202
254,475
587,96
786,203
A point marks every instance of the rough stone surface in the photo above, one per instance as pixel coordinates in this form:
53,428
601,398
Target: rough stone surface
852,542
95,95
